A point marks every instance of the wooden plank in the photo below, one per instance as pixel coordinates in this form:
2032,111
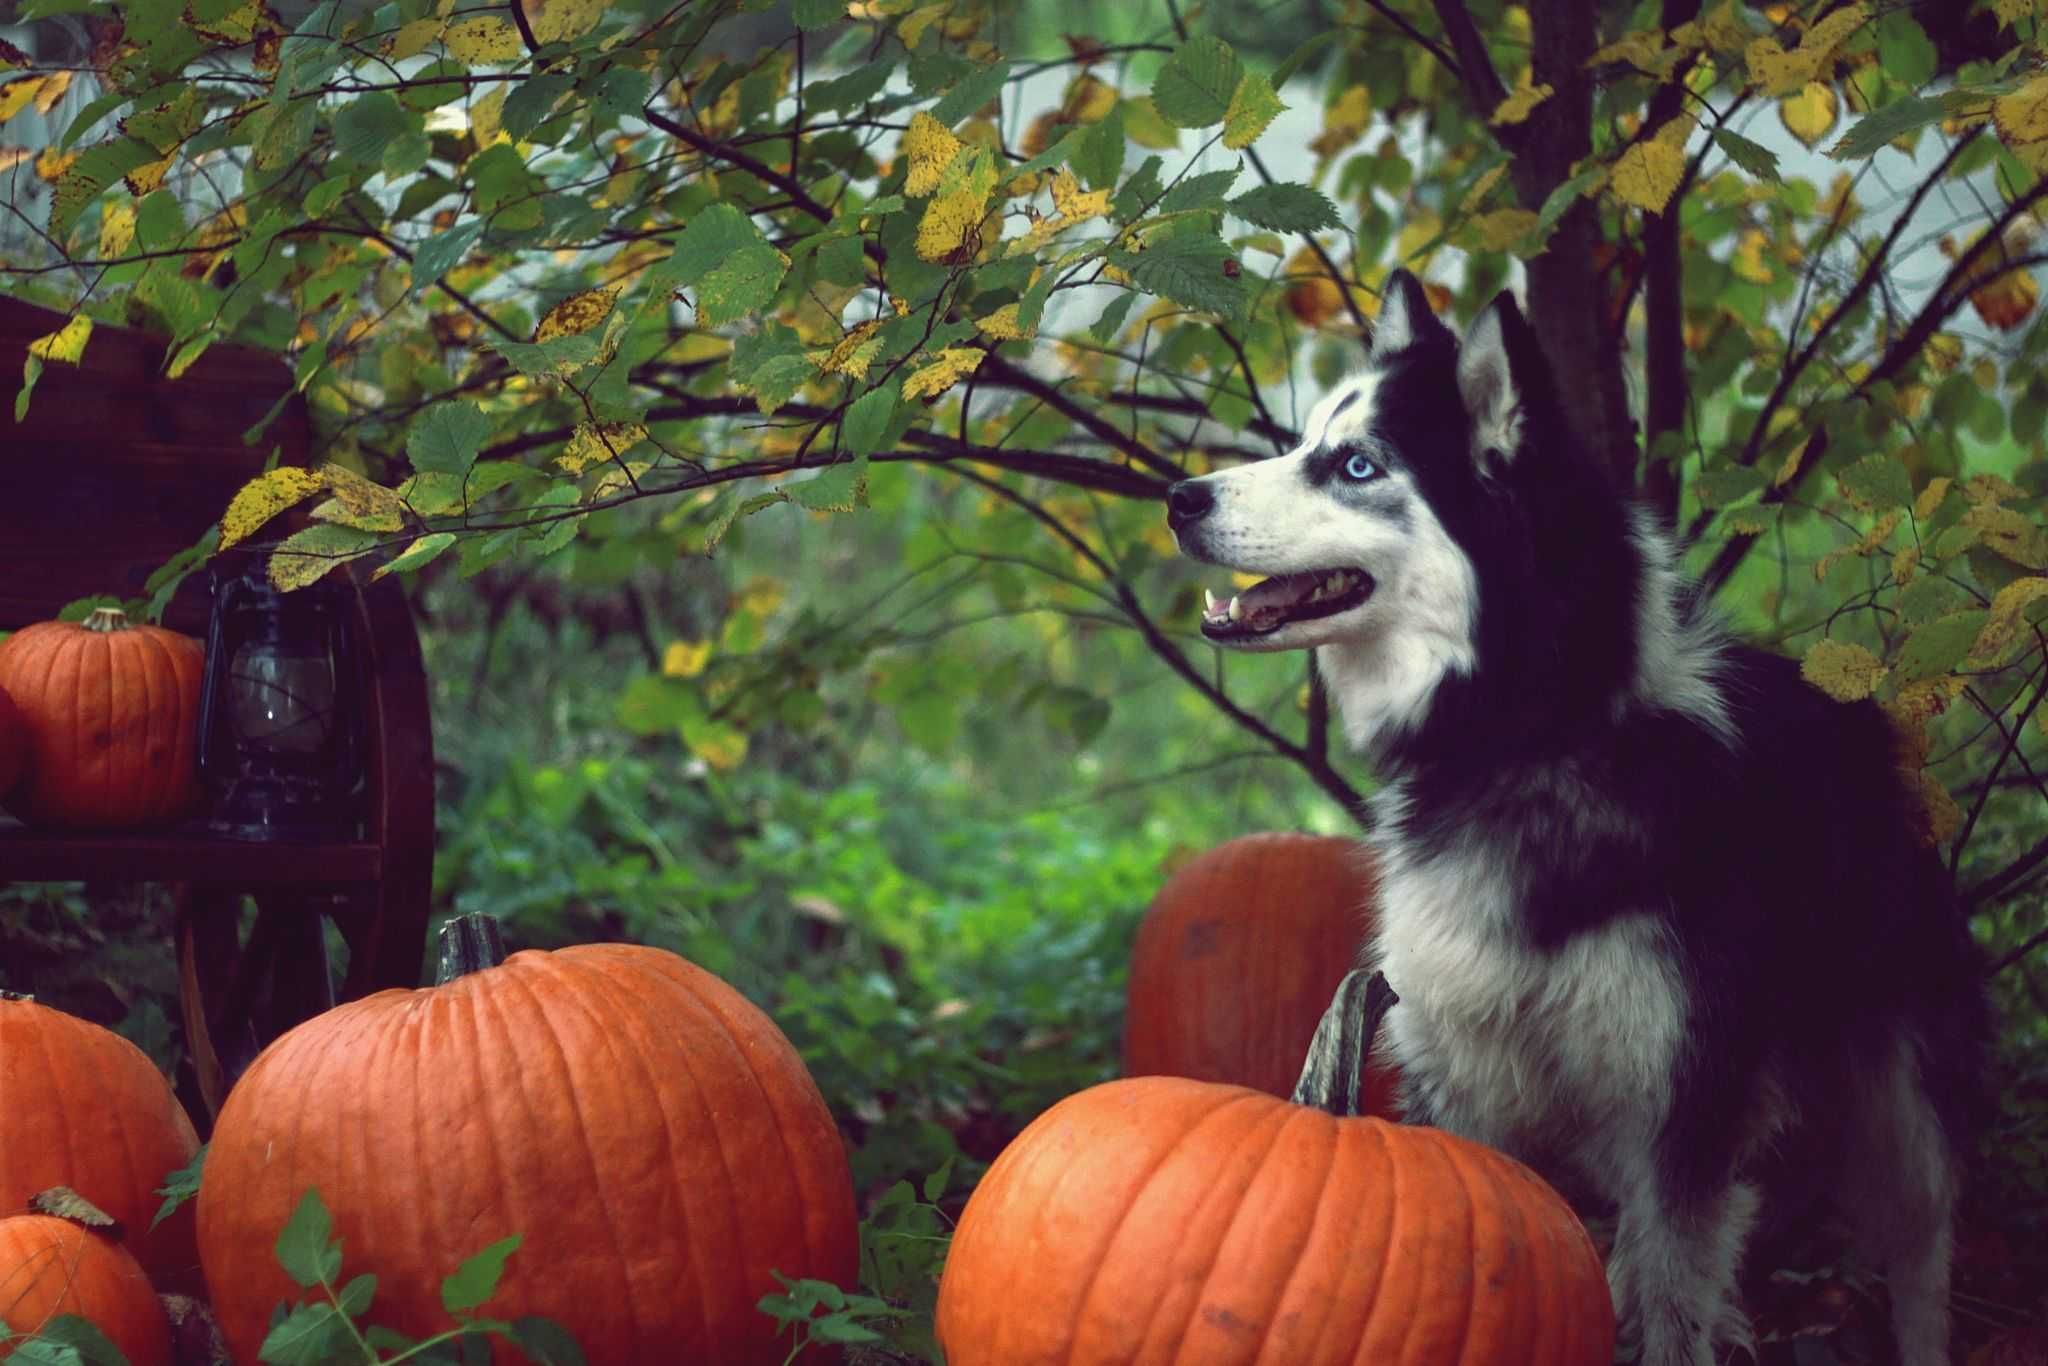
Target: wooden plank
180,855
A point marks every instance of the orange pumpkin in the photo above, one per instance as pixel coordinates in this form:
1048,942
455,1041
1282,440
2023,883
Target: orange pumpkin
51,1266
651,1134
1159,1219
87,1109
113,720
1239,954
13,745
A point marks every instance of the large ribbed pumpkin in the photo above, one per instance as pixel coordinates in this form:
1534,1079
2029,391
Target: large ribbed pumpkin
80,1106
1158,1219
112,710
651,1134
13,745
51,1266
1239,954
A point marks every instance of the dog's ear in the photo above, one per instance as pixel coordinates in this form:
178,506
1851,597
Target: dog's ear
1405,316
1490,364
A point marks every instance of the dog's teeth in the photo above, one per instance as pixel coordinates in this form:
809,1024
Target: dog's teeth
1209,604
1236,608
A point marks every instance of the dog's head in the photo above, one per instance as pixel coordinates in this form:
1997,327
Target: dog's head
1349,526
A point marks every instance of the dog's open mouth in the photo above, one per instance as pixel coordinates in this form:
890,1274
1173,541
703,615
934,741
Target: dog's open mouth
1272,603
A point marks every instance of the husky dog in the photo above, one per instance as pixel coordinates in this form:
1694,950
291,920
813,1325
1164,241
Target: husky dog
1656,910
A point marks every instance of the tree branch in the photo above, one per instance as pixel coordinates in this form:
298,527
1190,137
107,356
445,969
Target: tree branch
1666,390
996,369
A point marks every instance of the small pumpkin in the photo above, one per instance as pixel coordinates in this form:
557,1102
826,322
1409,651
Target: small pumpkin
651,1134
85,1108
112,710
1239,953
1160,1219
51,1266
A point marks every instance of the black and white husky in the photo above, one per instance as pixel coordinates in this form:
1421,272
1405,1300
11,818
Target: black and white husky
1655,908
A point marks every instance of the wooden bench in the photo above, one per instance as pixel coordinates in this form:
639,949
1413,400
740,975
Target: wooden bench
115,469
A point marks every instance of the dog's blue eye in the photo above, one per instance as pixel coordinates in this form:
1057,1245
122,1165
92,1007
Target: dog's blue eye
1360,467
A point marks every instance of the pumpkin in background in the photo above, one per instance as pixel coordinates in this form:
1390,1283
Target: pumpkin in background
1158,1219
51,1266
80,1106
112,711
651,1134
13,745
1239,954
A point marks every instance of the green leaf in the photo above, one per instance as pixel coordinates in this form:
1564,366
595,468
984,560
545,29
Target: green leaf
1753,157
1720,487
1203,191
356,1297
816,14
1877,482
1560,200
545,1342
40,1351
1097,151
1936,648
182,1184
837,488
97,167
1286,208
363,127
418,553
971,93
476,1280
745,282
441,252
447,436
1877,128
1903,50
304,1247
1252,108
865,425
621,92
1189,270
1302,56
69,1338
530,102
311,1335
1105,327
563,355
851,91
159,221
1195,85
711,237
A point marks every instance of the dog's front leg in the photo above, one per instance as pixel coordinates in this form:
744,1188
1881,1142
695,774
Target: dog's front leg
1673,1270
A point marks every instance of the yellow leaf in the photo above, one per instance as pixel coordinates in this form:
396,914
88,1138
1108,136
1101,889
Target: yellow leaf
1344,122
1645,51
362,502
2023,115
1502,229
557,21
1647,175
1830,33
947,222
263,497
1843,671
2002,627
411,39
2010,12
593,445
1906,565
487,115
1943,816
931,148
51,164
486,41
854,352
148,177
945,370
576,314
1073,204
1520,103
1749,262
685,659
66,344
117,228
1476,196
54,85
1778,72
2007,301
1810,114
305,556
16,96
1931,497
720,746
918,20
1003,325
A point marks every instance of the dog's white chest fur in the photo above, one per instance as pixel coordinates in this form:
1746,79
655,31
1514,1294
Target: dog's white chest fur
1508,1044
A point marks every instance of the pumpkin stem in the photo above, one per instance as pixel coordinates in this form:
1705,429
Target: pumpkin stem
105,619
469,943
1343,1042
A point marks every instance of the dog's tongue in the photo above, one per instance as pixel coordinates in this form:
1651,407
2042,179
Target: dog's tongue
1282,591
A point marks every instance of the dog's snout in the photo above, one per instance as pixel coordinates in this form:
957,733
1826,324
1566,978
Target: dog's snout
1188,501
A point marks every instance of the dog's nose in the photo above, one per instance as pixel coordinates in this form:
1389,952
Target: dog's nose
1188,501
